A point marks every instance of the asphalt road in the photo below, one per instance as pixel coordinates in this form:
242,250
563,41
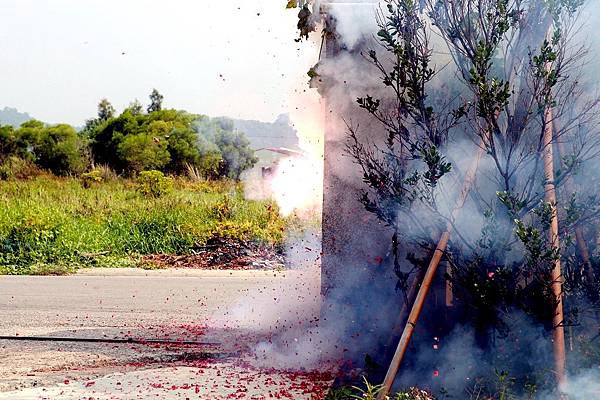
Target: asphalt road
231,308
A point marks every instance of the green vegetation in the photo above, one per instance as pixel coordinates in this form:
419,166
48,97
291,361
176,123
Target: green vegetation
170,141
154,184
55,225
369,391
115,191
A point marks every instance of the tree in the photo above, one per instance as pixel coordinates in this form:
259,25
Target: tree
517,70
27,139
106,137
169,133
218,137
105,110
236,153
60,150
135,107
142,151
182,149
8,142
156,100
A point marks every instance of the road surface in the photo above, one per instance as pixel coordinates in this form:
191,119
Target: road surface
229,311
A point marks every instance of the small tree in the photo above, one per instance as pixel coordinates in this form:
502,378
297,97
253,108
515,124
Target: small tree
135,107
156,100
105,110
60,150
154,184
218,140
518,70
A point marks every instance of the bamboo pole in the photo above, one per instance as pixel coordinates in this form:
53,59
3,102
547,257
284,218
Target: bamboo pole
410,300
558,333
417,307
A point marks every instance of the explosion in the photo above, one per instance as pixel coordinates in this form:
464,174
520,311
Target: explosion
297,183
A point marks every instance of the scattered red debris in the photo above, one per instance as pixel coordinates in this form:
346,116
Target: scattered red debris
220,253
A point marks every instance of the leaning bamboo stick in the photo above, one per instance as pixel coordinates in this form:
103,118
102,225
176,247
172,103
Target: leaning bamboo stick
558,334
417,307
409,301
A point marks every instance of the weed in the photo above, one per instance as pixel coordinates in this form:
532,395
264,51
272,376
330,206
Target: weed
56,222
154,184
91,178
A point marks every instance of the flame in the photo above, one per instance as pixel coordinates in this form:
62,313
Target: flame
297,184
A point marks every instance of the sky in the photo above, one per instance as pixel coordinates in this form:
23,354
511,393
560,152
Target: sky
221,58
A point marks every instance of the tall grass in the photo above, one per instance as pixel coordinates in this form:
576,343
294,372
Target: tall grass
48,222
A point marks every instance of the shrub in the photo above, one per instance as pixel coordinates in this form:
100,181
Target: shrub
106,173
142,151
91,178
154,184
18,168
60,150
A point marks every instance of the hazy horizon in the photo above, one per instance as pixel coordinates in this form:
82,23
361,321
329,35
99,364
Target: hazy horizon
62,58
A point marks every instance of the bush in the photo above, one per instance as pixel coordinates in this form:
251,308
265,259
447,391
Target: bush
18,168
91,178
106,173
154,184
60,150
143,152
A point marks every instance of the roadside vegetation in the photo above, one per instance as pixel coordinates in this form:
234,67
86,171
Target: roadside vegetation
143,182
54,225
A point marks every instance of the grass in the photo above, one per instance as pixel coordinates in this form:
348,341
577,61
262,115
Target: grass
55,225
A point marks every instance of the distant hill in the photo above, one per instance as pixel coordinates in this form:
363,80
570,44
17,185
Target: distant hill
279,133
12,116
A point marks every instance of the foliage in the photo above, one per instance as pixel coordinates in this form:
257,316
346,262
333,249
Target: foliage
143,151
169,141
134,141
105,110
50,223
226,152
59,149
154,184
517,71
91,178
156,100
